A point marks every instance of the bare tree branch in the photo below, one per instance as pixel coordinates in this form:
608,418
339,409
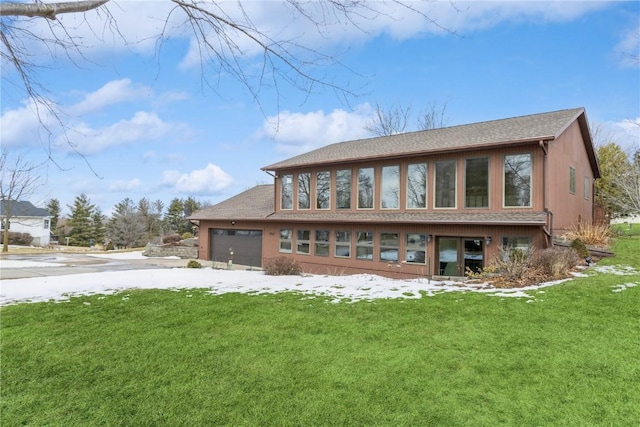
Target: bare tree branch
48,10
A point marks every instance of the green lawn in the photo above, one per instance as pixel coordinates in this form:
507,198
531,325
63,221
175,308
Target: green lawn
569,357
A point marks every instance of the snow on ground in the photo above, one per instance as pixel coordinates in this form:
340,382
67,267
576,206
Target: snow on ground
127,255
338,288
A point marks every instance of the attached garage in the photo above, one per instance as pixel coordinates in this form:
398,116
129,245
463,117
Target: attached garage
243,247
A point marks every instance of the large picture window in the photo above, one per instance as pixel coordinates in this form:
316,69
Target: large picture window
476,192
285,240
389,244
364,245
445,184
286,192
343,189
322,243
417,186
390,191
517,180
365,188
343,244
302,242
304,190
323,190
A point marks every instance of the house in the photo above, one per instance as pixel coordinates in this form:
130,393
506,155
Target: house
24,217
427,203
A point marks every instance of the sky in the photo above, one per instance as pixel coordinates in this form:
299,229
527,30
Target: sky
350,288
144,117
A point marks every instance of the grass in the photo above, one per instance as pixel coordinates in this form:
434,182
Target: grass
568,357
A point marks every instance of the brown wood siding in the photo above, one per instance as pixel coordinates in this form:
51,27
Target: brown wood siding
568,209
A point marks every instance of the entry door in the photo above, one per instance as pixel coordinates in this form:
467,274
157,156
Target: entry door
456,254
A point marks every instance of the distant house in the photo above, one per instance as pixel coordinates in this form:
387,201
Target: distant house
434,202
26,218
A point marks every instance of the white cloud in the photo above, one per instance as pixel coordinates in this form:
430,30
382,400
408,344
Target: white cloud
142,127
627,134
296,133
21,126
129,185
113,92
210,180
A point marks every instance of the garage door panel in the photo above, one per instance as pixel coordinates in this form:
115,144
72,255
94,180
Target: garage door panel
245,244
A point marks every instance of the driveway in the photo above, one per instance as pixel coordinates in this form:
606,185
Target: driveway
20,266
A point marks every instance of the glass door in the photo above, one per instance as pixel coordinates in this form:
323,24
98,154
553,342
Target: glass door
457,254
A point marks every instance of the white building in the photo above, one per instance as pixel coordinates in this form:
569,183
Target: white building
26,218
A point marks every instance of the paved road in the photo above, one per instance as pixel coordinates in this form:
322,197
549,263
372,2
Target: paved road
70,263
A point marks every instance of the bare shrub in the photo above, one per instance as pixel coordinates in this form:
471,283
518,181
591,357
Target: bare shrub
20,239
555,262
282,266
590,234
172,239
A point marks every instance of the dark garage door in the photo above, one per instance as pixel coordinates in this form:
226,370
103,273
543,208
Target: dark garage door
245,244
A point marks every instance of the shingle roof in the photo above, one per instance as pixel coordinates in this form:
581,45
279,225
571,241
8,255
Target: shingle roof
529,128
484,218
254,203
24,208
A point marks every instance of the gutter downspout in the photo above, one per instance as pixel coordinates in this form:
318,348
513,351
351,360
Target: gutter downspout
548,228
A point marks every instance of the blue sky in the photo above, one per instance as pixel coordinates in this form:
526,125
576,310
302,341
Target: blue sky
147,126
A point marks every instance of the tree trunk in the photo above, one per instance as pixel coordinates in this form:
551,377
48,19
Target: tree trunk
48,10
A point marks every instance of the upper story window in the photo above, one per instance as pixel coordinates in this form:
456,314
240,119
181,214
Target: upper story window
343,189
286,192
476,181
323,190
445,184
390,191
365,188
587,187
417,185
517,180
46,224
572,180
304,190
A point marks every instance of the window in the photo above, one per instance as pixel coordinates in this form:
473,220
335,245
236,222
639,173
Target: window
390,191
417,186
389,244
365,188
415,248
46,224
343,189
343,244
511,243
322,243
364,245
572,180
302,242
286,199
476,174
517,180
285,240
323,190
304,190
587,188
445,185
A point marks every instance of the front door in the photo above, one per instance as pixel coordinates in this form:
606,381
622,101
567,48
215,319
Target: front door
457,254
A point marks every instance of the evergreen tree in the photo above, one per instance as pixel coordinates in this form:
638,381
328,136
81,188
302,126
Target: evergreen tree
610,188
126,226
53,206
81,221
99,229
174,217
151,217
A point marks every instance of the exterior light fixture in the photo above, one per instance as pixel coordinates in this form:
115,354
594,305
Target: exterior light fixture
233,223
429,238
487,240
